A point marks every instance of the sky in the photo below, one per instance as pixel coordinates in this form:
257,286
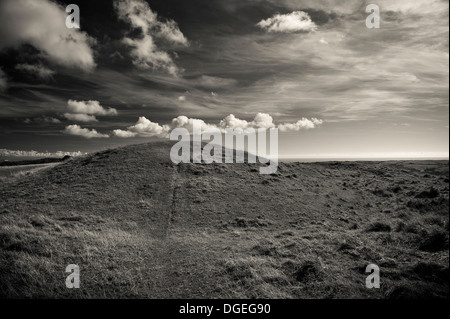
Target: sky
136,69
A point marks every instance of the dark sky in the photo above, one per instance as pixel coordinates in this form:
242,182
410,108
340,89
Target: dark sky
311,68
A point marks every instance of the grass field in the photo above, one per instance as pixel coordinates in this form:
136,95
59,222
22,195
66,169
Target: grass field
139,226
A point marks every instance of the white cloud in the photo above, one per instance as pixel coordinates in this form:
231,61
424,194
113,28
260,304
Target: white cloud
231,121
187,123
124,134
146,55
297,21
85,111
302,124
41,23
182,98
84,132
145,127
262,120
170,32
80,117
89,107
145,52
38,70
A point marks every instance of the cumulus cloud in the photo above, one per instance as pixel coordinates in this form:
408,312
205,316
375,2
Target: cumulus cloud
187,123
145,127
37,70
145,52
262,120
84,132
297,21
84,111
304,123
232,121
80,117
41,23
124,134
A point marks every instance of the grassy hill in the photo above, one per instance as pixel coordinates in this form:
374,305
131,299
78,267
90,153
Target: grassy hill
140,226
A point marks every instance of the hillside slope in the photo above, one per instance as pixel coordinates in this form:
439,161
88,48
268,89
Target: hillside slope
140,226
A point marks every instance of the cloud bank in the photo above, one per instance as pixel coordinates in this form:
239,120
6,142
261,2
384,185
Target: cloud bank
145,127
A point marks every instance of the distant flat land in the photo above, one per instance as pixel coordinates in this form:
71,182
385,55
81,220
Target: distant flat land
141,227
31,161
